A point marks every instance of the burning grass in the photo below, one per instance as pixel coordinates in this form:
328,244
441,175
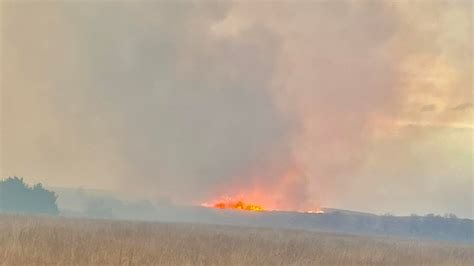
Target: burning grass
26,240
229,203
237,205
240,204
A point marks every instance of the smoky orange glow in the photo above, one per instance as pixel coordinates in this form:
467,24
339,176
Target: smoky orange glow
285,192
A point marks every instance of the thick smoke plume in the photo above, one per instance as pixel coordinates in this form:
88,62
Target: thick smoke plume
294,105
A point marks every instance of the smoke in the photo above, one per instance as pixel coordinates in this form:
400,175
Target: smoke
293,105
154,104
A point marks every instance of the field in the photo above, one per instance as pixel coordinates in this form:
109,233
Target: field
27,240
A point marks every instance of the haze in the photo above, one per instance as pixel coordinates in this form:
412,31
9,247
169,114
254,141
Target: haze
358,105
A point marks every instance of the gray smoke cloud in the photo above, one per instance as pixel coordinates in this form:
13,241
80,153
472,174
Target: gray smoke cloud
144,93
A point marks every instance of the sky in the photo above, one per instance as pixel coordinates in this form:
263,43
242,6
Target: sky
362,105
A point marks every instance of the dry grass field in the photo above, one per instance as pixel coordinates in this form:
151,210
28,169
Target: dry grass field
27,240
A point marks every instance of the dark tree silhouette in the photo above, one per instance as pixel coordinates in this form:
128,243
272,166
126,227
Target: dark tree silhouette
18,197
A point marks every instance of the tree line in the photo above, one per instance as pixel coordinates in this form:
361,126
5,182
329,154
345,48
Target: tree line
18,197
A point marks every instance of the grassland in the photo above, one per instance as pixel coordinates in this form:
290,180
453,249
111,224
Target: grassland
28,240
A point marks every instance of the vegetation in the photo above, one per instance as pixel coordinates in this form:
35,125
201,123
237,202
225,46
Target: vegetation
27,240
18,197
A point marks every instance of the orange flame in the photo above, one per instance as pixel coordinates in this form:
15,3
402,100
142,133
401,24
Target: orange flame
229,203
235,204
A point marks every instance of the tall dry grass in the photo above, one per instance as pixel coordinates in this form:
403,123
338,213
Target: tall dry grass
27,240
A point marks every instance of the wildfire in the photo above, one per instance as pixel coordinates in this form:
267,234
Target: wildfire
235,204
315,211
242,202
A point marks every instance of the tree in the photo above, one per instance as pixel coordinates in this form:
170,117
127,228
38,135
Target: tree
18,197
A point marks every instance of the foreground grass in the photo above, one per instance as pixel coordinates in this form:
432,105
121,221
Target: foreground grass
26,240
